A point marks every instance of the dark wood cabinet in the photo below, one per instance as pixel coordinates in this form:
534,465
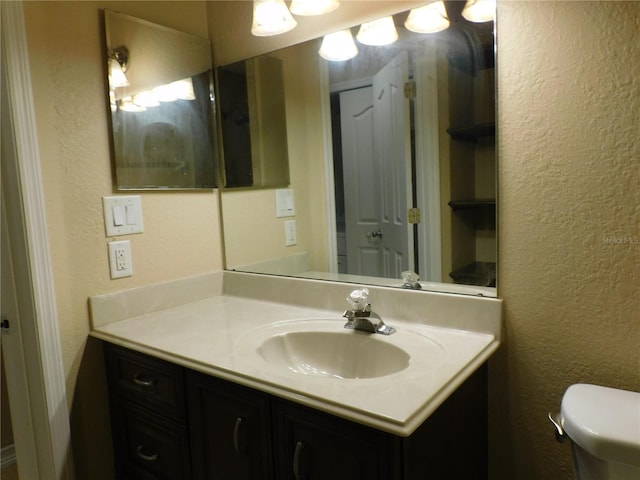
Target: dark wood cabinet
314,445
149,446
230,430
171,423
148,416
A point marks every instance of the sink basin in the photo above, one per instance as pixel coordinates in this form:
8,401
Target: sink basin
344,354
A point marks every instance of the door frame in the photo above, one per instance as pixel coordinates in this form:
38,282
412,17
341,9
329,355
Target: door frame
38,391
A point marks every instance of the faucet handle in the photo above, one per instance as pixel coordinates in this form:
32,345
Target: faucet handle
359,300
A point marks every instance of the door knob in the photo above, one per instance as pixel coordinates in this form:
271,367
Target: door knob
374,234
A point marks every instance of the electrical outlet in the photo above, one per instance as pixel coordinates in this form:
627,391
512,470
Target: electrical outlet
120,259
290,233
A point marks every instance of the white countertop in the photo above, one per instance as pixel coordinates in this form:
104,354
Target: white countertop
219,335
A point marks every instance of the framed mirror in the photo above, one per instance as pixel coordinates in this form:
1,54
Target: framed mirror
160,99
392,166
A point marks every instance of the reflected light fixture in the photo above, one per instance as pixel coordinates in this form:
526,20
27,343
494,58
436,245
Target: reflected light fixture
271,17
127,105
338,46
178,90
312,7
430,18
118,64
146,99
378,32
479,11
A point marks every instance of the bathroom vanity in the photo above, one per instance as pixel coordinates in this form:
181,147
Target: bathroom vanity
199,389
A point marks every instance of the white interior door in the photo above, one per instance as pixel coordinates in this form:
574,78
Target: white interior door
361,180
392,147
377,175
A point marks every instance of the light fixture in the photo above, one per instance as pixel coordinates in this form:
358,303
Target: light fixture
118,64
127,105
184,89
479,11
312,7
338,46
429,18
165,93
146,99
378,32
178,90
271,17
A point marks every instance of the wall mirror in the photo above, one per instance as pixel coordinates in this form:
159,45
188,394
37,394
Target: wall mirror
160,98
392,166
253,123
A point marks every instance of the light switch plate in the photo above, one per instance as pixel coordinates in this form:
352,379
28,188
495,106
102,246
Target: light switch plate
285,203
122,215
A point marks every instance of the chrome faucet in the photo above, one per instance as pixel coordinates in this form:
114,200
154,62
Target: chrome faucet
360,317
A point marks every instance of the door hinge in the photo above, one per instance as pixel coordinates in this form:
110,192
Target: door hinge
4,325
414,215
410,90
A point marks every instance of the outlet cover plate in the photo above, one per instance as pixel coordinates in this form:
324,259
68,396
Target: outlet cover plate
120,259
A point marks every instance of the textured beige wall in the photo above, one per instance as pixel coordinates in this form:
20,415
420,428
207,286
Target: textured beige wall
181,235
569,239
569,176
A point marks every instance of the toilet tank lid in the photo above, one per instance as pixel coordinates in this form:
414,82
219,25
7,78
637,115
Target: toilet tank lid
604,421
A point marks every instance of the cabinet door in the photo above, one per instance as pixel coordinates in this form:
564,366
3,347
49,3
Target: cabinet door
311,445
148,446
230,430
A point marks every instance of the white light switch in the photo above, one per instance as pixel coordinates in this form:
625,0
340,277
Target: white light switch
118,215
132,217
285,203
122,215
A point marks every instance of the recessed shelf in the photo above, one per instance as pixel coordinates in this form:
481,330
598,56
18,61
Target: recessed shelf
469,204
472,133
476,273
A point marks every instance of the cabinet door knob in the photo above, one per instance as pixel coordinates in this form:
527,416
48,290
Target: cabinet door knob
236,436
144,456
296,461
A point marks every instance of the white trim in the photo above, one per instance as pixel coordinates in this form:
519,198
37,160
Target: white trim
329,179
7,456
18,77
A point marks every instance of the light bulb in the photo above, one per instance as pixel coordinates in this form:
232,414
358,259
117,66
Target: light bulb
271,17
338,46
378,32
430,18
479,11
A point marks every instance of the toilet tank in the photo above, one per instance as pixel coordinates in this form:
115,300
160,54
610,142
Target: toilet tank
604,426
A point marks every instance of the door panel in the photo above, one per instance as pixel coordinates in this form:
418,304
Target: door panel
377,173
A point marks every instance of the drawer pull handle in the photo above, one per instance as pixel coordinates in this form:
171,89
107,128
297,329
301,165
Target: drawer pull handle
142,381
296,461
236,435
144,456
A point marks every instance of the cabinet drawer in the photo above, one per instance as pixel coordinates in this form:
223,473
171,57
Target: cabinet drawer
147,381
148,446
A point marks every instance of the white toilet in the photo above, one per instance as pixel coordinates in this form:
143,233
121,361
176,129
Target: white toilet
604,427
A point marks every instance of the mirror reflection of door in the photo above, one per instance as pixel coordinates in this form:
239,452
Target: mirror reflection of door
376,167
